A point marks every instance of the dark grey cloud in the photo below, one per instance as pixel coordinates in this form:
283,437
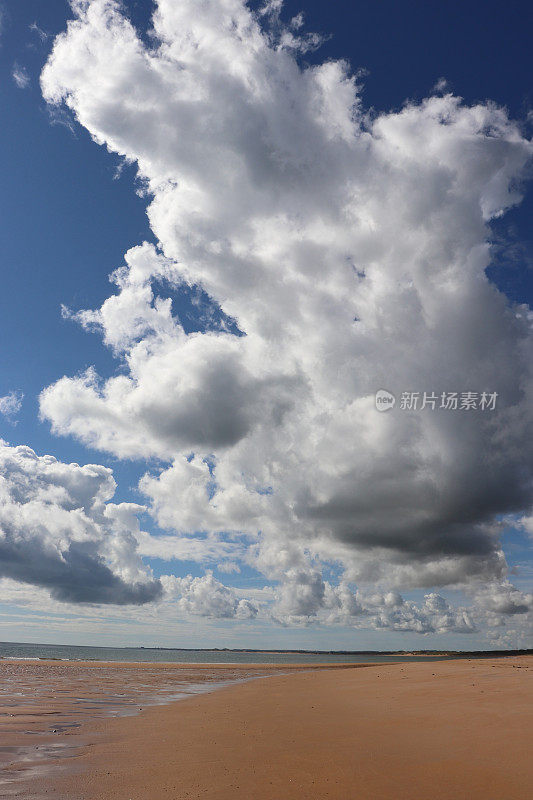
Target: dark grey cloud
59,531
76,575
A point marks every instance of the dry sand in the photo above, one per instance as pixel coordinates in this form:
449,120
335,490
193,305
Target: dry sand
412,731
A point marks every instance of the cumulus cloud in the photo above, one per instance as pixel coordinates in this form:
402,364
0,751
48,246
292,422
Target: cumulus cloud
59,531
390,611
350,249
304,598
10,404
207,597
503,599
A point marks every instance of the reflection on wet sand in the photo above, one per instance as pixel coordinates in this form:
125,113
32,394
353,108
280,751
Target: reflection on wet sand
45,706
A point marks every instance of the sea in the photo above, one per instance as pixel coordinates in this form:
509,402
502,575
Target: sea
67,652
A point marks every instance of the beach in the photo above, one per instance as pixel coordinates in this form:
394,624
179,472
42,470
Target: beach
440,730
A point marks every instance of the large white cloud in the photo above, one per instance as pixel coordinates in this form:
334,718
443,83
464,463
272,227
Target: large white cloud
350,249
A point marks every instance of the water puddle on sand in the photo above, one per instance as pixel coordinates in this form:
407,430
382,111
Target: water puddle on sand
45,706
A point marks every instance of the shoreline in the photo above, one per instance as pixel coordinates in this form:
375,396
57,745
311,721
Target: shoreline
202,665
402,731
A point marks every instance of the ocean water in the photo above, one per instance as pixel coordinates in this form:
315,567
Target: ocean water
65,652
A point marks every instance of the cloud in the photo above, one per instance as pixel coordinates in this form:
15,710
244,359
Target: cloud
228,567
207,597
526,524
503,599
441,85
10,404
305,598
173,547
301,595
59,531
350,248
212,395
43,35
390,611
20,76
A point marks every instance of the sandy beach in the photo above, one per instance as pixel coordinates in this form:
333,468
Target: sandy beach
441,730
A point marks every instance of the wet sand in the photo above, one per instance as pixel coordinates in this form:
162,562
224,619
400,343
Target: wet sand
417,731
48,708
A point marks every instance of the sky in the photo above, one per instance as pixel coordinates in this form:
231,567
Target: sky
225,228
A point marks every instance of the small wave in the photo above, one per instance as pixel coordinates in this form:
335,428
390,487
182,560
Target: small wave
20,658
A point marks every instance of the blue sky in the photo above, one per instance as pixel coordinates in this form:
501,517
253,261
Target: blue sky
70,209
